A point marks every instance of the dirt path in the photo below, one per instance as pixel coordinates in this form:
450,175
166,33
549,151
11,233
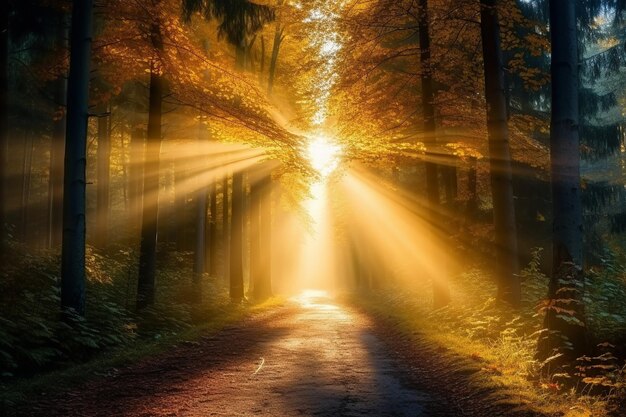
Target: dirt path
312,357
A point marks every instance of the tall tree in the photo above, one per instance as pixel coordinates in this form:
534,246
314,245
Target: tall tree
73,247
255,233
263,284
506,259
55,185
441,294
213,229
202,243
279,37
149,224
566,281
4,108
236,239
27,169
135,168
103,174
179,221
225,238
235,252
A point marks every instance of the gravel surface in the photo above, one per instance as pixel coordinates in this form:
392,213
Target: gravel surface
312,357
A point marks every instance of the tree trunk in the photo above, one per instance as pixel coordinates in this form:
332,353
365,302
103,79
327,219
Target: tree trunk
262,63
103,174
178,222
200,265
236,239
472,181
213,230
278,39
124,150
135,169
506,260
263,290
256,259
225,228
450,181
55,184
441,293
149,223
4,110
73,247
27,167
200,252
567,281
245,238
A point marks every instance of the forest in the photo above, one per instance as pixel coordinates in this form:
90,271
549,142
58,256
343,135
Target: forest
313,207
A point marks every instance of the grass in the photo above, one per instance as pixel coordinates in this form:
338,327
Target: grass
492,344
21,390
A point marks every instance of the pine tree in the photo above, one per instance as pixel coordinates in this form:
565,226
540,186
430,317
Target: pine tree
566,333
73,249
499,157
441,293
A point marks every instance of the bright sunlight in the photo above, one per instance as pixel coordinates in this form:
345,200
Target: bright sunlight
323,155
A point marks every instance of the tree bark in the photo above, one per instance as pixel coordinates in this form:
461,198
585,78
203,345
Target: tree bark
472,182
55,184
225,228
103,174
450,181
567,281
263,290
199,264
73,247
236,239
135,170
4,110
506,254
441,293
262,63
178,223
27,167
149,224
255,236
245,238
213,229
278,39
124,149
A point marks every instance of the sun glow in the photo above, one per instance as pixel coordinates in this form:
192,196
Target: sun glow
323,155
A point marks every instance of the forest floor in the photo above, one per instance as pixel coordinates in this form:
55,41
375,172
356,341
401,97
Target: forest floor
311,356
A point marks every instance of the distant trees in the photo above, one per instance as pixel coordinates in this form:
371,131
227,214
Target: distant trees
449,99
238,20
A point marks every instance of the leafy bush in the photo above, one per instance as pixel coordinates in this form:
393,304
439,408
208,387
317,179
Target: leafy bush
34,336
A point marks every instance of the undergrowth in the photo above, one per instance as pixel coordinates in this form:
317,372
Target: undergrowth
34,339
502,341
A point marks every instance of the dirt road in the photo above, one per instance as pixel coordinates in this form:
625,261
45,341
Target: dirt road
312,357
